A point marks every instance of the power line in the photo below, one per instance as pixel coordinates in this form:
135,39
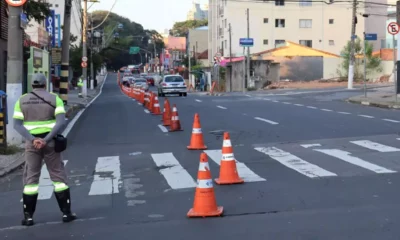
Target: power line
108,14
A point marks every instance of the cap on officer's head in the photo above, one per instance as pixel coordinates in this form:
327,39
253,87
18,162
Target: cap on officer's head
38,79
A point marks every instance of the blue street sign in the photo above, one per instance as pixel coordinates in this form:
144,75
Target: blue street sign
51,27
24,20
371,37
246,42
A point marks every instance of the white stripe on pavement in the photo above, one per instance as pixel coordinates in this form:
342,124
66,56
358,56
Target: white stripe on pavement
176,176
346,156
266,120
286,103
375,146
326,110
291,161
46,187
139,103
197,100
221,107
311,107
107,176
247,95
243,171
344,113
275,101
365,116
267,99
146,111
390,120
300,105
163,129
311,145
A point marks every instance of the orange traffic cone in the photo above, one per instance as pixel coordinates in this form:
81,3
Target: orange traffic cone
166,114
147,100
151,102
175,123
156,106
205,204
228,172
166,104
197,141
141,97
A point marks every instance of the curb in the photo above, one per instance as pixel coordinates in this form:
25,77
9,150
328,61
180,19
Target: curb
373,104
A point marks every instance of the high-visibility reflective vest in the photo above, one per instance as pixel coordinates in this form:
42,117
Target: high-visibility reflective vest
80,82
38,117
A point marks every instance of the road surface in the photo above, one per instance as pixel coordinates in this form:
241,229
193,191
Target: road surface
315,167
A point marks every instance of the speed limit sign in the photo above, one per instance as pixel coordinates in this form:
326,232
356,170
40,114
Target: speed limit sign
84,59
393,28
16,3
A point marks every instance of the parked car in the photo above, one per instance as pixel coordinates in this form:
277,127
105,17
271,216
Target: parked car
172,84
141,83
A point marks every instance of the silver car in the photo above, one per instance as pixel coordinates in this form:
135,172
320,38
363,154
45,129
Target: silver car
141,83
172,84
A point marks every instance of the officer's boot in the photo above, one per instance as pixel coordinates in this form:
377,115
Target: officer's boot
64,202
29,202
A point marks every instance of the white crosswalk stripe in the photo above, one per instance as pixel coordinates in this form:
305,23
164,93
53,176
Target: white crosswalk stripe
107,177
46,187
375,146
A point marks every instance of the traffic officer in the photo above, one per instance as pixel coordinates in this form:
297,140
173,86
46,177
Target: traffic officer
80,85
39,116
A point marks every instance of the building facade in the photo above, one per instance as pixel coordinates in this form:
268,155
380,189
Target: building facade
198,12
311,23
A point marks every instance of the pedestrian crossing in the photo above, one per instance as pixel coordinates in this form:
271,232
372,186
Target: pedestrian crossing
314,160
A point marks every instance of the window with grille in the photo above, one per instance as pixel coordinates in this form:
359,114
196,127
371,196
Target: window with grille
279,23
305,23
307,43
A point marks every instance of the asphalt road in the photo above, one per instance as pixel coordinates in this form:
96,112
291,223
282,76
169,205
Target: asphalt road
315,168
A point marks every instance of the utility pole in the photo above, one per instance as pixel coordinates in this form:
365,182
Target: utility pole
84,47
248,50
230,57
398,50
190,65
64,73
14,70
91,53
352,47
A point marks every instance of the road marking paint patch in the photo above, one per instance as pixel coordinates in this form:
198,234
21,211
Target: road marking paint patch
375,146
243,171
275,101
197,100
291,161
311,107
326,110
311,145
177,177
221,107
346,156
286,103
139,103
346,113
146,111
365,116
300,105
248,95
365,103
266,120
390,120
107,176
163,129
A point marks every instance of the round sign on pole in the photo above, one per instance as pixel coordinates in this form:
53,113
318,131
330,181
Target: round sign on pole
16,3
83,64
393,28
84,59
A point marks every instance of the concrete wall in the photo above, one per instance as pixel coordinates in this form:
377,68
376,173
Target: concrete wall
300,68
200,37
263,71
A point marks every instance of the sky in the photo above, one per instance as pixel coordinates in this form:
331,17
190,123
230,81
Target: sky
151,14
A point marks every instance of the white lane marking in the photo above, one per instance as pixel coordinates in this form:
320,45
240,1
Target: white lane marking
139,103
248,95
197,100
346,156
365,116
267,99
291,161
311,107
146,111
397,138
311,145
300,105
243,171
326,110
221,107
390,120
344,113
286,103
275,101
266,120
176,176
375,146
365,103
78,115
107,176
134,100
163,129
132,187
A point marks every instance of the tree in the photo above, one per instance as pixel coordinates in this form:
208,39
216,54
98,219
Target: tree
373,62
37,10
180,29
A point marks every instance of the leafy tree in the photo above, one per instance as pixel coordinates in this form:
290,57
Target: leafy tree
373,62
37,10
180,29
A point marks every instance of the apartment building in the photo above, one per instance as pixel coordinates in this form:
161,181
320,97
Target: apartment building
197,12
324,26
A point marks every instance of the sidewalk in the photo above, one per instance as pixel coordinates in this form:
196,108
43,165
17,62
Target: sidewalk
383,97
9,163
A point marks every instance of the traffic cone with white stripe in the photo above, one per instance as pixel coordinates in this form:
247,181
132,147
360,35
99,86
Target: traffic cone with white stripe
197,140
205,204
228,172
156,106
166,118
175,123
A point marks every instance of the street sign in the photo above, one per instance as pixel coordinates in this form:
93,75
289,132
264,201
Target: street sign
51,27
84,64
56,56
84,59
371,37
16,3
246,42
23,21
134,50
393,28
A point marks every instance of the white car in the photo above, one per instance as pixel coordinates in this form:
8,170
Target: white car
172,84
141,83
